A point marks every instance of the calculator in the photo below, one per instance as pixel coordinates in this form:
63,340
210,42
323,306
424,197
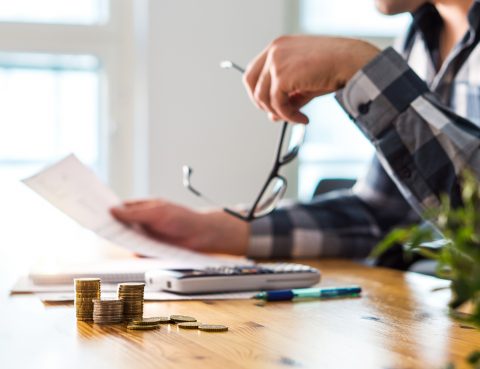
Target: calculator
266,276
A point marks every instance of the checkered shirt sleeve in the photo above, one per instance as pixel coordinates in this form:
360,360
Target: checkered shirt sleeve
421,147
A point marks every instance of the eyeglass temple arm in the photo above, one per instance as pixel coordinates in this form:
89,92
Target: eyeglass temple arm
187,173
227,64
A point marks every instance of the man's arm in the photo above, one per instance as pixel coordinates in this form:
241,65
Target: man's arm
423,146
347,223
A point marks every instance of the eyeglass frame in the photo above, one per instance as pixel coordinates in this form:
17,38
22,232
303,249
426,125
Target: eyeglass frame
274,173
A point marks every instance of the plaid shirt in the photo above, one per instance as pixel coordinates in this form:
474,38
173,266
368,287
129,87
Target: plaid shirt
424,124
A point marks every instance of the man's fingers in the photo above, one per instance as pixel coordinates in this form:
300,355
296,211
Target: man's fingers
262,91
273,117
252,73
139,203
283,106
134,214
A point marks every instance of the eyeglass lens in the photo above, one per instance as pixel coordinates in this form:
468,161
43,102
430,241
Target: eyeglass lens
294,137
271,196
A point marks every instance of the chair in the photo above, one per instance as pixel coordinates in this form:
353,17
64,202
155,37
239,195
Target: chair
393,258
332,184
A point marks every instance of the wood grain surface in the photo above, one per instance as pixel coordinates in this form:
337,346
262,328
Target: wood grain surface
399,322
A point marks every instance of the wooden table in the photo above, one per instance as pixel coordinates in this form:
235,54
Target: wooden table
399,322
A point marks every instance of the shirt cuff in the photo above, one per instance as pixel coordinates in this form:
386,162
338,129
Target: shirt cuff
379,92
261,238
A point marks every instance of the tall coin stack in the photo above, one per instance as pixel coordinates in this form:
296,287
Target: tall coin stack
132,296
107,311
86,289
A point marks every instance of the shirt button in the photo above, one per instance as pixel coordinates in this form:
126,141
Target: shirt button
364,108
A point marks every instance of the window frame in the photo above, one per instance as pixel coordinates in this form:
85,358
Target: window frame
381,42
119,44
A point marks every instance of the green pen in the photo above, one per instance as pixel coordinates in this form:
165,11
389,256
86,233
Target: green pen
306,293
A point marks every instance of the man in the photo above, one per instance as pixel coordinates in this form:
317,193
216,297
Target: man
420,107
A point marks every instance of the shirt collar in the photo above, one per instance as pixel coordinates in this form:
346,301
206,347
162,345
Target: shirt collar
427,20
428,23
474,17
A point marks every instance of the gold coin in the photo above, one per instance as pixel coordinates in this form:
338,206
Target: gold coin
142,327
189,325
151,320
131,284
182,318
213,328
87,279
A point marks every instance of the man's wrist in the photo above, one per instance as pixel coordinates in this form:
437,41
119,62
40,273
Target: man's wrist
225,233
357,54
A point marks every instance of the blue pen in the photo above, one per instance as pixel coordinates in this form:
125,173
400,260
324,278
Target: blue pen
305,293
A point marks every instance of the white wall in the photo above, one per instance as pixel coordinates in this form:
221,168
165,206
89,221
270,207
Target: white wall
200,114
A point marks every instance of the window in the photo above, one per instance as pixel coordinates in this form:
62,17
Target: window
334,147
54,11
49,108
362,19
67,79
51,96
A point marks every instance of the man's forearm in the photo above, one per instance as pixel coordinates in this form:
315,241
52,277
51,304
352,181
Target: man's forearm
421,143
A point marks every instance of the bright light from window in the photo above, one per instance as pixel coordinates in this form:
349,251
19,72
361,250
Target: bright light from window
54,11
349,17
335,148
50,107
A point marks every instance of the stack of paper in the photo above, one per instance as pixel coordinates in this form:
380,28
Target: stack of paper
75,189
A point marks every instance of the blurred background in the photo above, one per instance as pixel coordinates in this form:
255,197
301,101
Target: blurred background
134,89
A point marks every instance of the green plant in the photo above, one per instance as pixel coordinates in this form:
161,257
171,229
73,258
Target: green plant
459,259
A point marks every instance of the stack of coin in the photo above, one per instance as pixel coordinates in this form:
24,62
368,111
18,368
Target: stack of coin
132,296
86,289
107,311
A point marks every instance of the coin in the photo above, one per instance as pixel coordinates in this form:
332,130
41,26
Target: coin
189,325
182,318
108,311
132,295
213,328
86,290
151,320
142,327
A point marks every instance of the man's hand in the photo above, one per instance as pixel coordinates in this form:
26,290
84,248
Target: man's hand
214,231
293,70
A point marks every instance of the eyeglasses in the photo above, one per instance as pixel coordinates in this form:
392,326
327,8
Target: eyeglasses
291,138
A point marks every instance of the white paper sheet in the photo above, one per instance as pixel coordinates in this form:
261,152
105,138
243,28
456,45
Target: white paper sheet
75,189
153,296
65,293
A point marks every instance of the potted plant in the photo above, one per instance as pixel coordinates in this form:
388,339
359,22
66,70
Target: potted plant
459,258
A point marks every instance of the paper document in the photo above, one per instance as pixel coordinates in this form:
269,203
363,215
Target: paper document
154,296
65,292
75,189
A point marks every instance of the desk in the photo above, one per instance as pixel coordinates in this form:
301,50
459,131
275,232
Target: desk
398,323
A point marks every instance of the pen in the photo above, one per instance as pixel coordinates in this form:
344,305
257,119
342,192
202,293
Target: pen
303,293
